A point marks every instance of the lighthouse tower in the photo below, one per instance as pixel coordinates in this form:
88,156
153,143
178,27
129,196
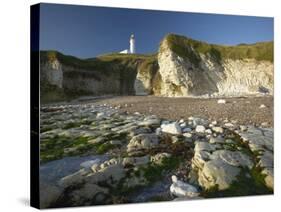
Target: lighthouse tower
132,44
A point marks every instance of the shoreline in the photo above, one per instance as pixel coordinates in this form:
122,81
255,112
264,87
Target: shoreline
240,110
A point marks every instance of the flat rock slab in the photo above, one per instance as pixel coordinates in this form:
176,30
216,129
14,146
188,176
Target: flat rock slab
204,146
217,172
258,138
266,160
233,158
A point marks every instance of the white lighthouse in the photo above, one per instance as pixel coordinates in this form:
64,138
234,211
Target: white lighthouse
132,49
132,44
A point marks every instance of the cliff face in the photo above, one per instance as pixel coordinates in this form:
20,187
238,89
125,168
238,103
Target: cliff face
188,69
51,71
114,74
182,67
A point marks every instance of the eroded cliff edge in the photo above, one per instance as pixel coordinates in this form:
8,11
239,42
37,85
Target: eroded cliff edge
191,68
182,67
65,77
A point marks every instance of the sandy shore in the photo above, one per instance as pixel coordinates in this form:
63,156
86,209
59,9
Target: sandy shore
243,110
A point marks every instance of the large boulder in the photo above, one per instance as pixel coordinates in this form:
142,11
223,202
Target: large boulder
219,168
217,173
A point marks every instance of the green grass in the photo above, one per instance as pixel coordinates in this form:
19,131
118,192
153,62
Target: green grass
108,62
183,46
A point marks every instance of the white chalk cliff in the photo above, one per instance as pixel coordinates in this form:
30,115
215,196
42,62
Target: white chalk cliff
227,77
183,67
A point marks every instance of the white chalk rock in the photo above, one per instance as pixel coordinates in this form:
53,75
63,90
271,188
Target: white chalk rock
200,129
182,189
221,101
173,128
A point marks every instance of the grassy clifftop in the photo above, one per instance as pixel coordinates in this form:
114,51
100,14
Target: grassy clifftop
103,62
181,46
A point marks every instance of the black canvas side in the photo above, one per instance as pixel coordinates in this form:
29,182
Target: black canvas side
34,104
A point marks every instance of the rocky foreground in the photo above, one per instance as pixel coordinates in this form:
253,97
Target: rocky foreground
93,153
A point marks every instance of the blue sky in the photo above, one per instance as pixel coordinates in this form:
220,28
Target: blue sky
87,31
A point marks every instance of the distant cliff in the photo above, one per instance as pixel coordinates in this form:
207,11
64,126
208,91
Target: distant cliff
65,76
182,67
191,68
